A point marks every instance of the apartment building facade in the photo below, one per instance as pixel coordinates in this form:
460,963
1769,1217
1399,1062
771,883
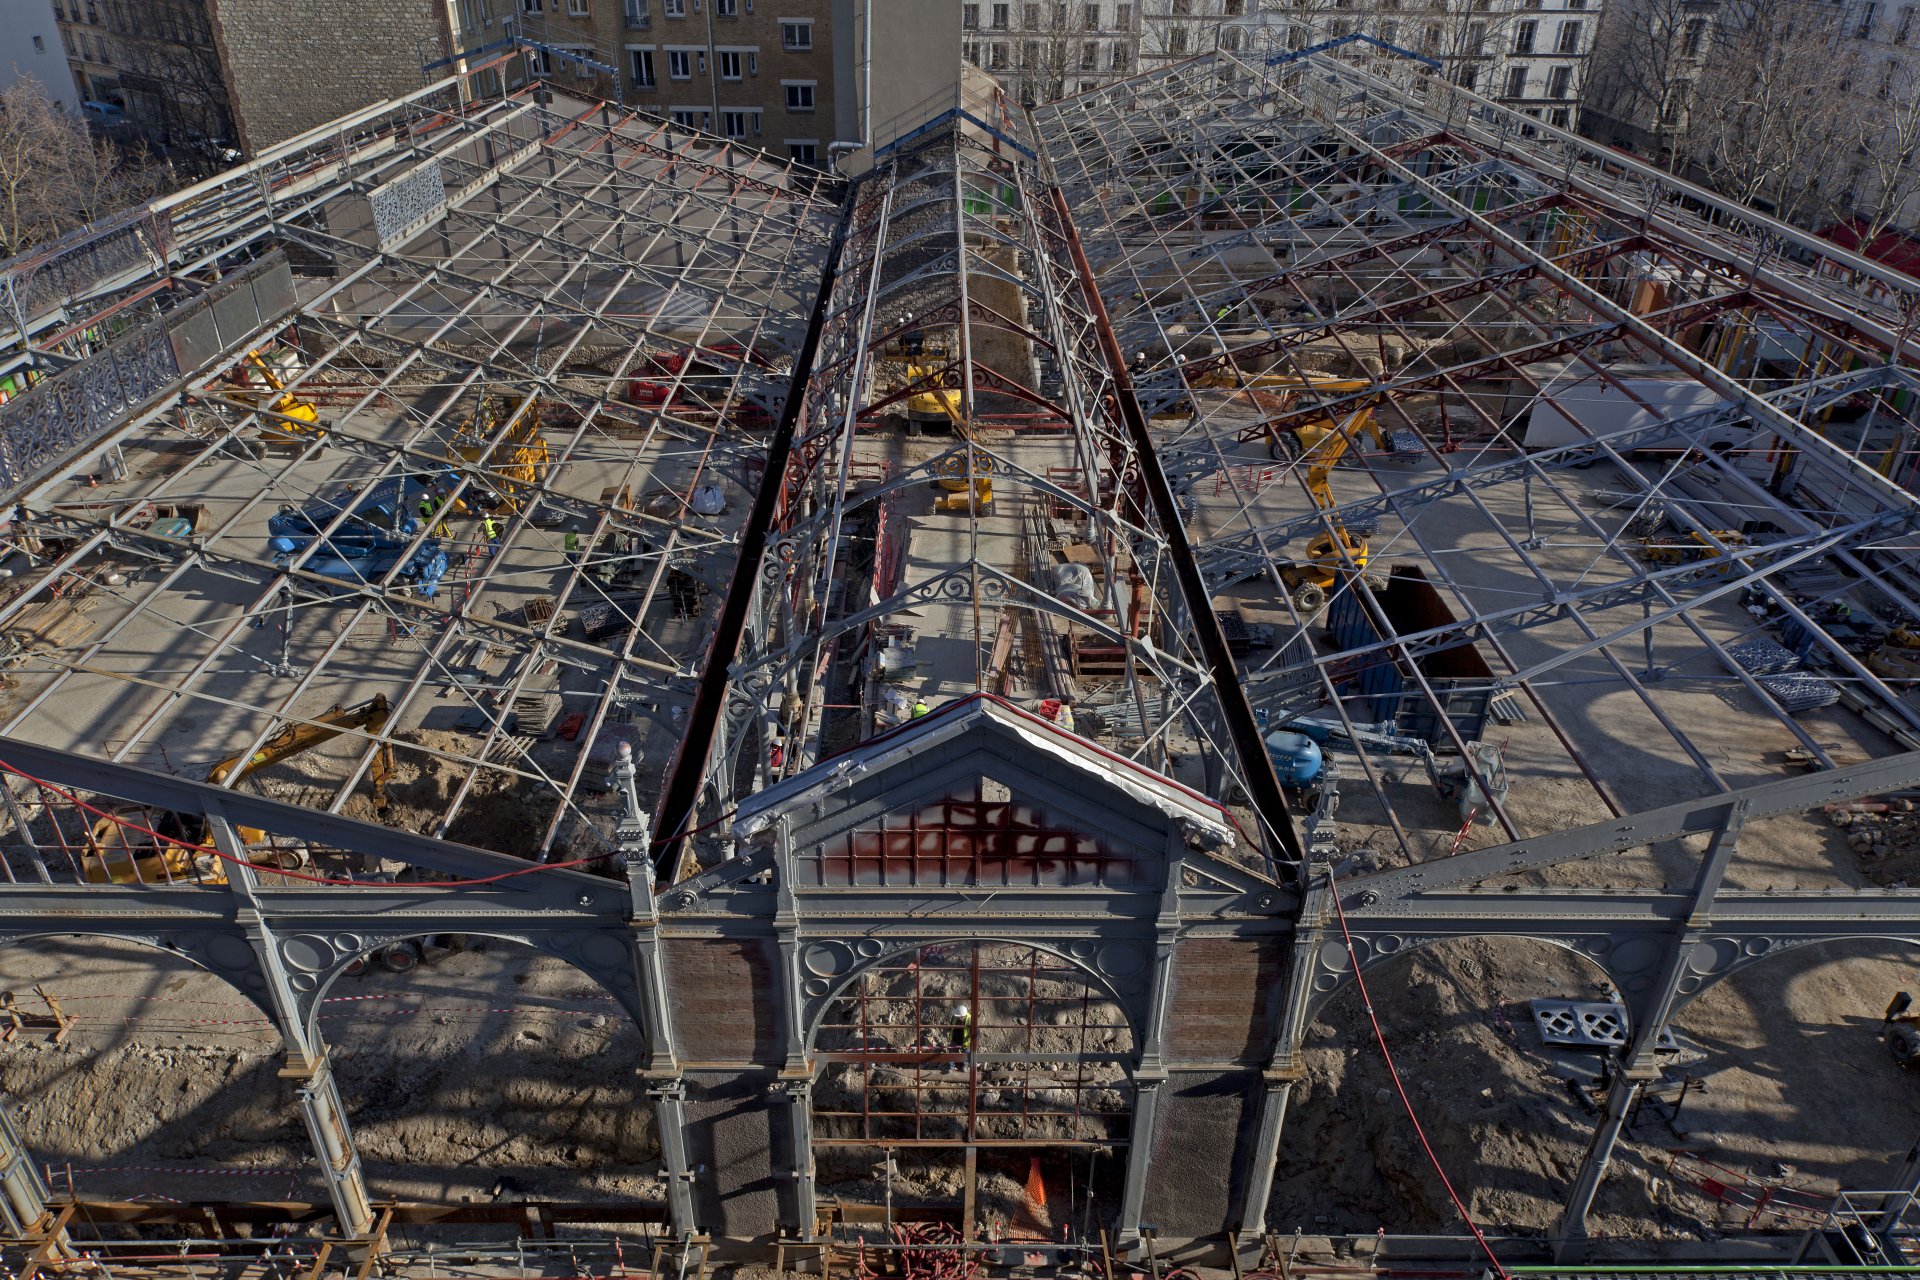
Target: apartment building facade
210,77
1529,54
1047,49
765,73
30,48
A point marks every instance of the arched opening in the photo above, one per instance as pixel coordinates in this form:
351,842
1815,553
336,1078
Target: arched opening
476,1067
1493,1097
165,1084
975,1076
1798,1093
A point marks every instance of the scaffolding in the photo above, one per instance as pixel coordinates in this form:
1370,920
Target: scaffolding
856,622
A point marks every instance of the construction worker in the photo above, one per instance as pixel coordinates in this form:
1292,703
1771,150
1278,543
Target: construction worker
490,528
573,546
430,503
920,708
962,1028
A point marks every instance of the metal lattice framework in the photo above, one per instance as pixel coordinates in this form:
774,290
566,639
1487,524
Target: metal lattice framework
799,429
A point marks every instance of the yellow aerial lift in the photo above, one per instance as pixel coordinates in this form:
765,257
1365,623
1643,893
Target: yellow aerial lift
517,466
1690,546
1321,445
277,431
121,855
963,494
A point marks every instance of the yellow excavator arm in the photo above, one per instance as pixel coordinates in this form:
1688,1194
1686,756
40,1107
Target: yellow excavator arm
121,858
288,403
371,715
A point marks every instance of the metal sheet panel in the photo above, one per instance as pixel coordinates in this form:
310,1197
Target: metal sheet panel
235,316
195,339
736,1145
1199,1154
1221,1005
721,994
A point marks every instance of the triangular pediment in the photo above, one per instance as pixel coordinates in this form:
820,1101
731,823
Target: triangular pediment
984,794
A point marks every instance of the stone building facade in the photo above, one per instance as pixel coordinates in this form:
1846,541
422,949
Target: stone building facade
765,73
211,77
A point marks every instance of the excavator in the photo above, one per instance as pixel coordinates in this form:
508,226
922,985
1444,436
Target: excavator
1898,657
1321,445
278,431
120,854
944,403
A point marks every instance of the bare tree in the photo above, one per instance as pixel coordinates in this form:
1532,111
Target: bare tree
1645,72
1882,177
1046,50
54,175
1768,114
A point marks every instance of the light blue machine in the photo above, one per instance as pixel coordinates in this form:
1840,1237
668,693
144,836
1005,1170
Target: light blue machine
1296,757
372,539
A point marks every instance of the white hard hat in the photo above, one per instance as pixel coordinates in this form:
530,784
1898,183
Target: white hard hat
960,1008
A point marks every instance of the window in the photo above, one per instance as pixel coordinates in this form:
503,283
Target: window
739,124
1523,36
1576,5
970,16
726,9
1030,53
800,96
1695,35
1516,82
730,68
539,63
66,38
1389,32
39,45
636,11
973,52
797,35
642,68
997,56
1467,77
1123,17
1476,40
1868,13
1234,8
1558,117
753,62
1230,39
1676,105
679,64
1559,80
1030,15
674,8
577,8
803,152
1093,17
1570,36
1905,28
1090,56
1002,16
690,117
1177,40
533,6
1120,58
1886,80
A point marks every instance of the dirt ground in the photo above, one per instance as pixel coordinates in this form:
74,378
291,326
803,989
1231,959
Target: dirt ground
495,1073
1796,1091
